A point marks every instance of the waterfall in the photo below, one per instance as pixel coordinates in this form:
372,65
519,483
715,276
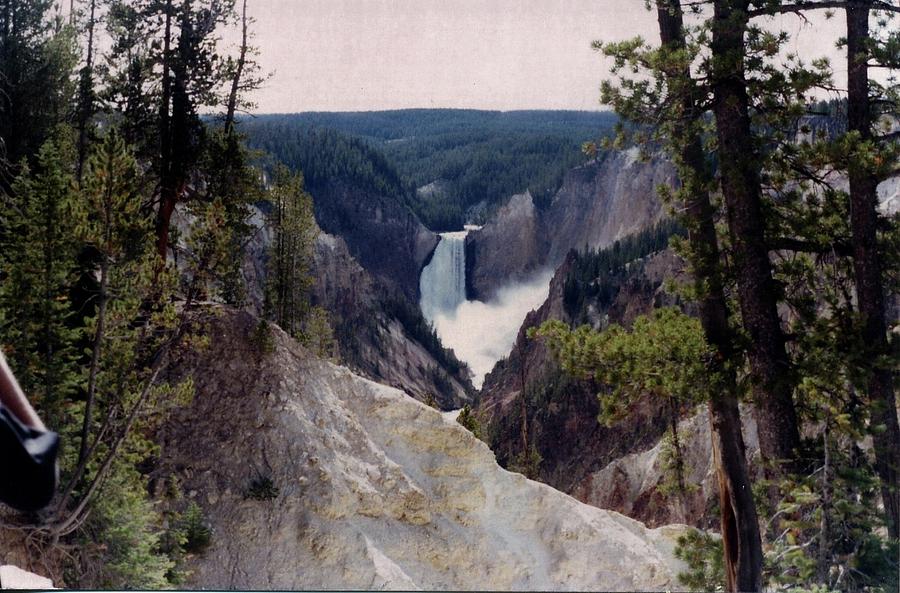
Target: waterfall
479,333
443,281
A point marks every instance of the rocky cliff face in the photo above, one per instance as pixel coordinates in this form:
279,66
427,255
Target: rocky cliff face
370,489
632,483
371,340
381,233
509,248
562,412
374,340
603,201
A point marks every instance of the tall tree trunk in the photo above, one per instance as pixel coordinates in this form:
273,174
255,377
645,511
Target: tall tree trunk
867,264
95,360
86,98
174,180
167,183
738,519
739,168
236,81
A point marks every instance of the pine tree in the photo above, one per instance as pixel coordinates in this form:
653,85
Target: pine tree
167,68
866,165
39,330
132,334
290,254
740,169
37,56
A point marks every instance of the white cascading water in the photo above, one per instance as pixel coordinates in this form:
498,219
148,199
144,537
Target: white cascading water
479,333
443,281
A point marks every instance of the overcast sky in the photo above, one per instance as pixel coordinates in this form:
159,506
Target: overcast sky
346,55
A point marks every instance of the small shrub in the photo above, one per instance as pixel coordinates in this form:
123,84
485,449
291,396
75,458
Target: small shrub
469,421
704,556
197,534
675,469
317,334
262,338
262,488
528,464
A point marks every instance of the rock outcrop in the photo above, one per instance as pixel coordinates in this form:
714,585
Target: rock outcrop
606,200
381,232
509,248
370,489
598,203
13,577
633,484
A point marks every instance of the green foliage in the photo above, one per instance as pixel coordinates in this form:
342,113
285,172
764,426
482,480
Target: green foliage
197,533
39,247
262,339
120,546
469,420
826,530
703,554
317,334
288,277
233,186
527,463
597,275
325,155
36,80
675,469
476,156
664,353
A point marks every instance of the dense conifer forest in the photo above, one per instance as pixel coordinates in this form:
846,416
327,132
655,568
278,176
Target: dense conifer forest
476,159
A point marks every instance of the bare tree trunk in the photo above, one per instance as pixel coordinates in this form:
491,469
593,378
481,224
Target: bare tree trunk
167,190
867,265
236,81
87,93
739,167
95,360
738,519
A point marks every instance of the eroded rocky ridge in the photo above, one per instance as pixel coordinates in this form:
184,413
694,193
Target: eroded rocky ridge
598,203
509,248
372,488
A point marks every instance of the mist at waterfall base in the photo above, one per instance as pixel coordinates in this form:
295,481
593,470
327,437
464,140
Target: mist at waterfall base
480,333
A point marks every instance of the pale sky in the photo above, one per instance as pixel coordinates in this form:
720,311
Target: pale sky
348,55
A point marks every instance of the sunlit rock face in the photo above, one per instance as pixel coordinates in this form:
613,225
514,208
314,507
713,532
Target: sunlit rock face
598,203
509,249
373,489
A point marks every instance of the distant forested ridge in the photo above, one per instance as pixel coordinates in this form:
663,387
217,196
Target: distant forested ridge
475,159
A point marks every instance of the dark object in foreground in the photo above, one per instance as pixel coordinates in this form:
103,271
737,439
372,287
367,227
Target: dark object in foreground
28,471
